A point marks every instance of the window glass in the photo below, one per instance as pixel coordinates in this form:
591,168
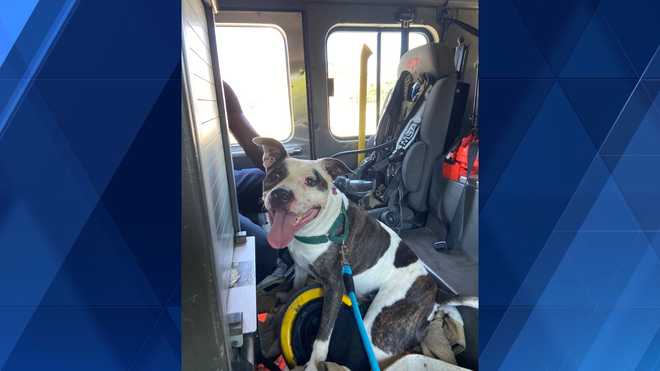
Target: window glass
253,61
343,56
344,49
390,54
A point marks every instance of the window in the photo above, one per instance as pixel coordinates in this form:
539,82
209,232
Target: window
343,54
253,61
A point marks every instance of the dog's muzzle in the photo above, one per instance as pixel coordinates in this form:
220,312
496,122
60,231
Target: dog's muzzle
280,198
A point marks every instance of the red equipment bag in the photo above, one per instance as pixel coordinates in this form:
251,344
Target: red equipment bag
456,162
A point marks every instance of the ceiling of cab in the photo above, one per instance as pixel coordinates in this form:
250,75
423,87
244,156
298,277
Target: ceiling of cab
300,4
452,3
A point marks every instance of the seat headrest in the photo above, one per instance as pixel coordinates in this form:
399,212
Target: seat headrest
433,59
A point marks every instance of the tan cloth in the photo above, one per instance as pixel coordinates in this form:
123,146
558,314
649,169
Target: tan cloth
325,366
445,336
419,362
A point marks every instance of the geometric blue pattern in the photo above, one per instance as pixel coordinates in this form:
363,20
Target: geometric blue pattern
569,222
26,53
12,20
90,174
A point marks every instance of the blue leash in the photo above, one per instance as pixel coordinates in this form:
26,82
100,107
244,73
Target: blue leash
347,274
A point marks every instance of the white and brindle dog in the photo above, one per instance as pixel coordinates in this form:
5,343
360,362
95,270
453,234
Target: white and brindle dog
302,202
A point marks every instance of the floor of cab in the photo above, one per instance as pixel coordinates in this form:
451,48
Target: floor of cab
457,270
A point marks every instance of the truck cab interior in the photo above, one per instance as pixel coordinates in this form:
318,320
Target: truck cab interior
389,87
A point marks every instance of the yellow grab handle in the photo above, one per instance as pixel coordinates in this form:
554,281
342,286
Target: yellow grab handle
362,102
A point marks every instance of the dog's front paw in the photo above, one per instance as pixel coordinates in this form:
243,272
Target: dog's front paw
311,365
319,354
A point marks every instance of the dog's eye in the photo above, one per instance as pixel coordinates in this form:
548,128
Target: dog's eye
311,182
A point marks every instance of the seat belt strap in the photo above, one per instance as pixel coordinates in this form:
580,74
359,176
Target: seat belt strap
410,131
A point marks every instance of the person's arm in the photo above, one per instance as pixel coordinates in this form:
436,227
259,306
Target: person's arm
240,127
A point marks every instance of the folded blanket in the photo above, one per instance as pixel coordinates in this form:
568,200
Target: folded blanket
445,335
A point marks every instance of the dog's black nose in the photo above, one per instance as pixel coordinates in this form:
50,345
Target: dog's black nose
280,198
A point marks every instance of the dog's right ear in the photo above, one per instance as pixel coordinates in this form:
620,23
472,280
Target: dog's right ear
273,150
335,167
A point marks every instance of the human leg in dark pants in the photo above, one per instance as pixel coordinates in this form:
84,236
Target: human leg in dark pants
249,190
266,256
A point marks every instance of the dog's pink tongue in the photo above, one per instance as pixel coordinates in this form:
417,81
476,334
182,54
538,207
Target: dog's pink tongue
282,229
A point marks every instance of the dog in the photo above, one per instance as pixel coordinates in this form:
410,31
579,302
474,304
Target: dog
303,207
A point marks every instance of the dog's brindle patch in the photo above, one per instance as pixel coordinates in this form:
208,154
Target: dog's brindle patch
327,269
275,174
321,184
409,314
367,240
404,256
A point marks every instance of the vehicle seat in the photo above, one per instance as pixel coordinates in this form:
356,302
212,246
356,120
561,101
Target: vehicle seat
441,121
429,193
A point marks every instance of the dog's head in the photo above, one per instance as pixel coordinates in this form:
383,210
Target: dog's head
295,191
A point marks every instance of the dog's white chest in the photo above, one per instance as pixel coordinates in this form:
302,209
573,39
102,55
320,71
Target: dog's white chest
305,255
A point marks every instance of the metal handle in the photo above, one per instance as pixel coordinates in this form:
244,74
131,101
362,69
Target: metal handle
294,151
362,102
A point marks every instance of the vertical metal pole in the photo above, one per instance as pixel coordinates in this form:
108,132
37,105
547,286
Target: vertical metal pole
362,101
405,37
378,45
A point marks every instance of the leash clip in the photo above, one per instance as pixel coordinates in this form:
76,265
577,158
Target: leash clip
342,252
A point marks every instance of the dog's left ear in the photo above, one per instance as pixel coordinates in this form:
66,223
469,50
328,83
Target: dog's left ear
335,167
273,150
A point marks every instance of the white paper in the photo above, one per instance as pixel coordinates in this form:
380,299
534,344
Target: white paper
243,296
